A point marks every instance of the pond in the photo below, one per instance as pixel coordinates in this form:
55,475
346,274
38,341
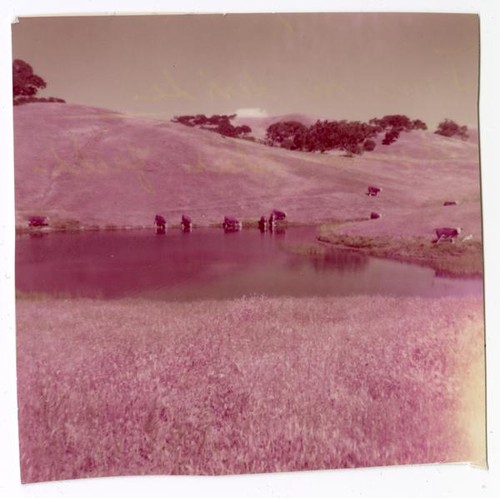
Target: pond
208,263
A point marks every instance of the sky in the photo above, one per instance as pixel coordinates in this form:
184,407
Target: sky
335,66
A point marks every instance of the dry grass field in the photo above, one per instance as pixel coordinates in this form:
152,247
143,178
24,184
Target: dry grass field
247,385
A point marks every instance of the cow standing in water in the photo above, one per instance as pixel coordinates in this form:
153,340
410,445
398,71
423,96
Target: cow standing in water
161,223
231,224
186,223
447,234
38,221
262,224
274,225
276,215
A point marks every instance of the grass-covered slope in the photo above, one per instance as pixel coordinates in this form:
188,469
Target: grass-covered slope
103,168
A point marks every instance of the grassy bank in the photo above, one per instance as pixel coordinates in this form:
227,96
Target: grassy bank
247,385
463,258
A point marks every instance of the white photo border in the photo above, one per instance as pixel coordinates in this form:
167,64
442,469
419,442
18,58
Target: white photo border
410,481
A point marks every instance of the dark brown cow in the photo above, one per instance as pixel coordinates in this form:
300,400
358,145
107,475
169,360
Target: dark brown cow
278,215
160,222
373,191
231,224
447,233
262,224
38,221
186,223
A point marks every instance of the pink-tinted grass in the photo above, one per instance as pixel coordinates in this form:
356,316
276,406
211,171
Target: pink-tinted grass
100,168
247,385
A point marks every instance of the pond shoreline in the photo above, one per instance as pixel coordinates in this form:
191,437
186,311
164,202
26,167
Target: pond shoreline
460,259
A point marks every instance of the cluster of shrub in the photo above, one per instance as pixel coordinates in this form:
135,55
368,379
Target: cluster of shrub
218,123
449,128
30,100
353,137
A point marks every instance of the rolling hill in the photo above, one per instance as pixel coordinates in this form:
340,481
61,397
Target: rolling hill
98,168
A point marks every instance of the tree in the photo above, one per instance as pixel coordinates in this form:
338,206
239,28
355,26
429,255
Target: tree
220,124
449,128
26,84
369,145
185,120
287,134
390,137
418,124
342,135
243,130
321,136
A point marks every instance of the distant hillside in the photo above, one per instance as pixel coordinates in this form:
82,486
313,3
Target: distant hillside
103,168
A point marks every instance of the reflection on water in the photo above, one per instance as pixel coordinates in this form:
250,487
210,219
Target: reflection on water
339,260
37,234
207,263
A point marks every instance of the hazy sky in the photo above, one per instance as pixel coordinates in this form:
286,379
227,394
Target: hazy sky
338,66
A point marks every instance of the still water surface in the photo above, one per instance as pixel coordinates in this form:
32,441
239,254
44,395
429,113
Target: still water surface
207,263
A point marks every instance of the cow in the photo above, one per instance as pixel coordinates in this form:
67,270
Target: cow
446,233
231,224
262,224
186,223
275,217
374,215
38,221
278,215
373,191
160,223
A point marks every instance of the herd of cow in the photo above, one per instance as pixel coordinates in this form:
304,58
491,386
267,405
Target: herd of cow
444,233
229,224
274,222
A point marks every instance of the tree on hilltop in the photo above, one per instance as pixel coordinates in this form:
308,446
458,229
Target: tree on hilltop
449,128
369,144
390,137
26,84
287,134
396,122
418,124
220,124
321,136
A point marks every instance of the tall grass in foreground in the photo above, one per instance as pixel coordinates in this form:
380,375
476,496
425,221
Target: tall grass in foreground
249,385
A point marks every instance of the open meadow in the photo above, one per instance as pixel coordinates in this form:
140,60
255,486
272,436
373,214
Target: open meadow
256,384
